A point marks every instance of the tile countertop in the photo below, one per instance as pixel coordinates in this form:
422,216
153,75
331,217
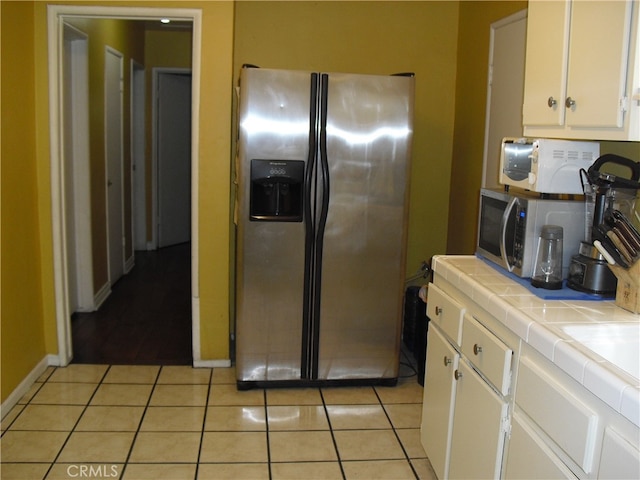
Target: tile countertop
594,341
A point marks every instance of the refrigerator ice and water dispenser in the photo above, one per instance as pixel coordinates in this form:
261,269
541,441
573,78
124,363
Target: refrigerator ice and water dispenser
276,190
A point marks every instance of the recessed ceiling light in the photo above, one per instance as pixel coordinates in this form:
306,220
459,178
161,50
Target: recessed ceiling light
165,20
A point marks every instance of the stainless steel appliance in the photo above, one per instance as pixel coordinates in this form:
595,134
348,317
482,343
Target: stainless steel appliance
606,192
546,165
322,174
510,224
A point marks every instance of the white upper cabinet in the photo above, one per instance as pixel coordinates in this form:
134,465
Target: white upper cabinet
582,76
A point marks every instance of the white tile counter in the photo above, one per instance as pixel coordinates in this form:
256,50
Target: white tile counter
594,341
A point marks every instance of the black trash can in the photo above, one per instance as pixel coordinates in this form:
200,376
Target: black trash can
414,330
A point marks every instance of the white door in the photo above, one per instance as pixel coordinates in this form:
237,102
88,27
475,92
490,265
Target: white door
76,170
173,134
505,90
113,153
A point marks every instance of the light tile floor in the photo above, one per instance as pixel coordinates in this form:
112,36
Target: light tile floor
151,422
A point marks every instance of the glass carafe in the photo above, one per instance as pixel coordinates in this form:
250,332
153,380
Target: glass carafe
547,271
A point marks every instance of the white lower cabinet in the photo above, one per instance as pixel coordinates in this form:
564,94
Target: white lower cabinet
478,427
561,430
529,457
495,407
439,398
464,415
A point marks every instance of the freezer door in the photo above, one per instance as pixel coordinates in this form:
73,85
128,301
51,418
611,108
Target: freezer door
274,125
369,130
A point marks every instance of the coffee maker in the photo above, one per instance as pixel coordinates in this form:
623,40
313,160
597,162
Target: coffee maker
588,270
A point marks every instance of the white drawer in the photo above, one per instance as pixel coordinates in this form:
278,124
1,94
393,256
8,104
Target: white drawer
568,421
487,353
445,312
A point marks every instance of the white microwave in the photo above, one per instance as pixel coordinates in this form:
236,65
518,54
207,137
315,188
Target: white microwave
546,165
509,227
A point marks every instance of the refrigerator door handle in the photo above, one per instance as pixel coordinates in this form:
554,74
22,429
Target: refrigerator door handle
310,223
322,221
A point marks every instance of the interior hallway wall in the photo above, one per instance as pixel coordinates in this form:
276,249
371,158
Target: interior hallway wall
22,333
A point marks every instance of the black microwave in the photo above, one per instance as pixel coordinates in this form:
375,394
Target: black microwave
509,226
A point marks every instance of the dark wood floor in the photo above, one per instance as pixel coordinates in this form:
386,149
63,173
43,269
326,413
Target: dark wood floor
147,318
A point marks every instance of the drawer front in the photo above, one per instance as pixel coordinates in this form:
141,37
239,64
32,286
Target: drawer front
487,353
568,421
445,312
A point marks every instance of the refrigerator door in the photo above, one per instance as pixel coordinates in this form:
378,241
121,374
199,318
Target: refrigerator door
274,123
369,130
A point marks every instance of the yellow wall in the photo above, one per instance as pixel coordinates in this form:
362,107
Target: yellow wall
23,342
376,38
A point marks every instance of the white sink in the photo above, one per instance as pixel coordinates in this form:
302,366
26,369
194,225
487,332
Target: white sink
619,343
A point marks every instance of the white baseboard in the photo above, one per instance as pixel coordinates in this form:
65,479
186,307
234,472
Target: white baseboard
211,363
129,264
24,386
102,295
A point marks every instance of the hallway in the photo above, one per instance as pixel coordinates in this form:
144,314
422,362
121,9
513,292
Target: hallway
147,318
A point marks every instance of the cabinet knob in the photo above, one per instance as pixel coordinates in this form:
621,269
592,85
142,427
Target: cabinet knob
477,349
447,361
438,310
457,374
551,102
569,102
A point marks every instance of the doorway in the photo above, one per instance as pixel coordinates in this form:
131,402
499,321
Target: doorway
172,134
62,218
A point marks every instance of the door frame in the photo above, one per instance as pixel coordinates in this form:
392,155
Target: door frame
56,15
138,158
156,72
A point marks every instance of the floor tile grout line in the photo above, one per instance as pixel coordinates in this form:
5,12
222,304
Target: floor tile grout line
393,427
333,437
144,413
204,422
265,400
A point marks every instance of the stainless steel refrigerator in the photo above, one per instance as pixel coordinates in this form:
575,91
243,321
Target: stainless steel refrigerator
322,203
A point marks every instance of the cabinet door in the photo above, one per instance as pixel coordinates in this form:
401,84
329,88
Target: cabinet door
619,459
478,436
439,395
529,457
545,76
598,62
